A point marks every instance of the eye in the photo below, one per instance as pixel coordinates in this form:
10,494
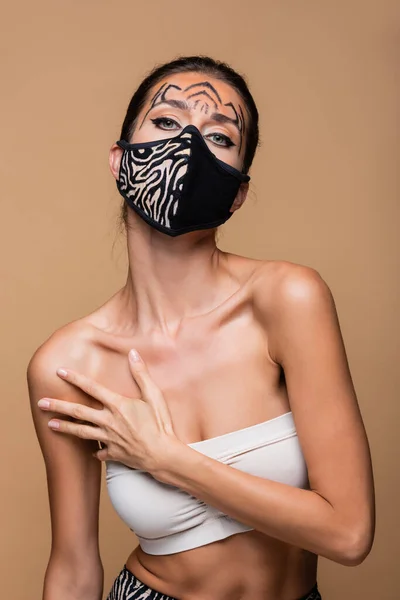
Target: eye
221,140
164,123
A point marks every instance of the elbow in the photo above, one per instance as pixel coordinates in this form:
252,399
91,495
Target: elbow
73,577
355,548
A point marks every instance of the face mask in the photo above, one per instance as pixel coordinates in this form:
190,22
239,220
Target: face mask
177,184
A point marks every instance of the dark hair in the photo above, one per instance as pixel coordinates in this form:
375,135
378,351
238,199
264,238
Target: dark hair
199,64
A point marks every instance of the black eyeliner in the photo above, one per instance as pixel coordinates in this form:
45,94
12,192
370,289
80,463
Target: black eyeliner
228,141
158,120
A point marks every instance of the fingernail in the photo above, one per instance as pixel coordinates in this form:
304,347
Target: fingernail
133,355
62,372
44,403
54,424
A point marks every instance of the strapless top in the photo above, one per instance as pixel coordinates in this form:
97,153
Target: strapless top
167,520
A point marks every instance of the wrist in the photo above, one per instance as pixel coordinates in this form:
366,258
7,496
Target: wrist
177,459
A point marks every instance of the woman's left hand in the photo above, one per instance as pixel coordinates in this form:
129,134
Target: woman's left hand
138,432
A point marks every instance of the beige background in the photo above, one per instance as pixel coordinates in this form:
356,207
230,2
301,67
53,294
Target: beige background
324,193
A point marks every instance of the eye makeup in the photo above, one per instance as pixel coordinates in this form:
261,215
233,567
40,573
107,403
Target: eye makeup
226,141
162,120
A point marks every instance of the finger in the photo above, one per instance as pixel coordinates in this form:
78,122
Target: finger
101,454
90,386
151,393
77,429
139,370
72,409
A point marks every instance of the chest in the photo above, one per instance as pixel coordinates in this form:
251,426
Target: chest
216,376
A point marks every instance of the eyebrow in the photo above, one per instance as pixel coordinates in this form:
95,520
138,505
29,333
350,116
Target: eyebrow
220,118
215,116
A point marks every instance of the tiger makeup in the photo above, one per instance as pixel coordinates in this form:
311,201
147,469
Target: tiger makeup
175,178
204,95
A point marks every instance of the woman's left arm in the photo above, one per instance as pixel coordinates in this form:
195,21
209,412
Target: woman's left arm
336,517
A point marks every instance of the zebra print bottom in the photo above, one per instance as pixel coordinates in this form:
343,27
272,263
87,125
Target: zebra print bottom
127,587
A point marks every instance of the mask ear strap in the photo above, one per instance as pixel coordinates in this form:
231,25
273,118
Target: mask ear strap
122,144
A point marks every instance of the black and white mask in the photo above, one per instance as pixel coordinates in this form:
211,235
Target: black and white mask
177,184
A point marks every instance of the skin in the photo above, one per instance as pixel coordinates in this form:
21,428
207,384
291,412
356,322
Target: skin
276,346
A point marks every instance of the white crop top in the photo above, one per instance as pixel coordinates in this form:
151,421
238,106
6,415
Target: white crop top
167,520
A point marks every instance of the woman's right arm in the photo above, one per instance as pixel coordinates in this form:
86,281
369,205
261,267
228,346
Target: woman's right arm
74,570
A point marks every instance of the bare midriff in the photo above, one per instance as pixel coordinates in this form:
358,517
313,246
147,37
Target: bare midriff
245,566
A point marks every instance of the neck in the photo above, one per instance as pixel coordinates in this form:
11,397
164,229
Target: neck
170,278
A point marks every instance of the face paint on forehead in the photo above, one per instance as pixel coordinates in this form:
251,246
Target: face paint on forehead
204,93
160,97
206,84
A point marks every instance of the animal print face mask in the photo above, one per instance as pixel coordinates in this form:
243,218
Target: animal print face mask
177,184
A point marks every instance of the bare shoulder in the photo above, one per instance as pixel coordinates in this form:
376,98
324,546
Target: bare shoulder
279,279
283,288
68,346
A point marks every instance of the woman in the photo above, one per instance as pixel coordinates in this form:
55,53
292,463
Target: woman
240,363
